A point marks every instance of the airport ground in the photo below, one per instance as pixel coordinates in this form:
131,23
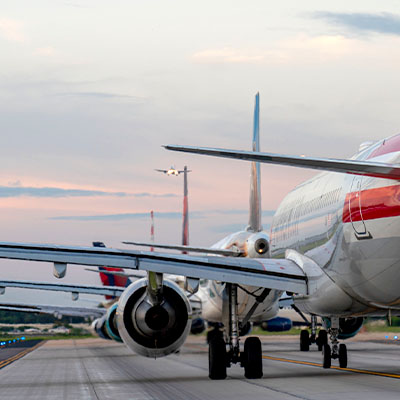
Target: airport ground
98,369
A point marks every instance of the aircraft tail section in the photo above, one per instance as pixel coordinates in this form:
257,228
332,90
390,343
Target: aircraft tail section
255,179
108,276
185,225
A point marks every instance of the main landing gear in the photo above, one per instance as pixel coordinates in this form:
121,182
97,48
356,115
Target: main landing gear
339,351
306,339
220,359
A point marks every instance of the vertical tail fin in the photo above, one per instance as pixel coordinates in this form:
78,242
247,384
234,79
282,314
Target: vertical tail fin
185,226
152,229
108,278
255,188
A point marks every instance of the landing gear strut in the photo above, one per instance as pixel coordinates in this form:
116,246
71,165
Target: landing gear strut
306,339
339,351
220,359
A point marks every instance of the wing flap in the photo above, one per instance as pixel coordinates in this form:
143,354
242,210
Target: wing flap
269,273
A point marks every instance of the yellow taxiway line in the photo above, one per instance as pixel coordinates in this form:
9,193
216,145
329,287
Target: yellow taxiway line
19,355
359,371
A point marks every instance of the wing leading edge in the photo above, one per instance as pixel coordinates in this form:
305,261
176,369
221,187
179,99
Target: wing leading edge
356,167
269,273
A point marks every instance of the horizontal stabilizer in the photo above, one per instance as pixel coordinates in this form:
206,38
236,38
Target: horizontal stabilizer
205,250
356,167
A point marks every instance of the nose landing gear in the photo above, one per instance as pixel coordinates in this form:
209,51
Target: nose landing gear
339,351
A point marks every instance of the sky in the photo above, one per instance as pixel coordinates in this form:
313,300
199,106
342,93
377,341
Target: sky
91,90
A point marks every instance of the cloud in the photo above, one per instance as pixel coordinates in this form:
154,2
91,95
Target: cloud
12,30
45,51
169,215
118,217
16,190
298,49
384,23
102,95
227,55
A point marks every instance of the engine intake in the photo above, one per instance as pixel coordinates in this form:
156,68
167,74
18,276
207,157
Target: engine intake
153,330
257,245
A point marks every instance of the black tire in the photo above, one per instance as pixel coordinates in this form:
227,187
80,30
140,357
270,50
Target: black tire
217,358
322,339
304,340
342,356
326,356
214,333
252,358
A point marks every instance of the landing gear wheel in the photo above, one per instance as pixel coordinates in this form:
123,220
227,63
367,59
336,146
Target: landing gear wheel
304,340
217,358
342,356
326,356
322,339
252,358
214,333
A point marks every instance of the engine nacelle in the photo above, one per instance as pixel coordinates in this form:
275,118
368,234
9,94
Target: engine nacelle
257,245
111,324
153,330
99,328
348,327
277,324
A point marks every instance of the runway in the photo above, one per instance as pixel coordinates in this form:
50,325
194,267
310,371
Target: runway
98,369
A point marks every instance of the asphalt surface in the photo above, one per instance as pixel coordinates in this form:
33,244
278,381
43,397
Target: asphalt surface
97,369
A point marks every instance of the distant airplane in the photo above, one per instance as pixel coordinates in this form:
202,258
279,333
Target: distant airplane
171,171
333,245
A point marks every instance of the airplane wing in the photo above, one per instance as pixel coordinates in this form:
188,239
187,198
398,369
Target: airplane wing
56,310
114,291
277,274
206,250
356,167
161,170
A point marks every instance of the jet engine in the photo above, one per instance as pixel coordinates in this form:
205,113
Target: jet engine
111,324
257,245
153,329
348,327
99,327
277,324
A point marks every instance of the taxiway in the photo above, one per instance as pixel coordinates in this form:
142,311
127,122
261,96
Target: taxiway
98,369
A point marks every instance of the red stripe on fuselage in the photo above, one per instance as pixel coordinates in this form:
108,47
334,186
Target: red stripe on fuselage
383,202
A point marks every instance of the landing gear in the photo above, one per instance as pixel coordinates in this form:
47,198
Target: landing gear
252,358
342,356
326,356
322,339
219,359
338,351
304,340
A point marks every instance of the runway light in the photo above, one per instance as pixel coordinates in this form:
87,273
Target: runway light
396,337
386,337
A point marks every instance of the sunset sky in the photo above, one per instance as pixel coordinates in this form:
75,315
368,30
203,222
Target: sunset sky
91,89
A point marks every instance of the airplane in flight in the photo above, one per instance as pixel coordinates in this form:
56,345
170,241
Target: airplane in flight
332,247
172,171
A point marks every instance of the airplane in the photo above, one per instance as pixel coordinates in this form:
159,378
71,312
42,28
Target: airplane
332,246
172,171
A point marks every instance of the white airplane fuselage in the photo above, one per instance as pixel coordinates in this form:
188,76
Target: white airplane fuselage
348,227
